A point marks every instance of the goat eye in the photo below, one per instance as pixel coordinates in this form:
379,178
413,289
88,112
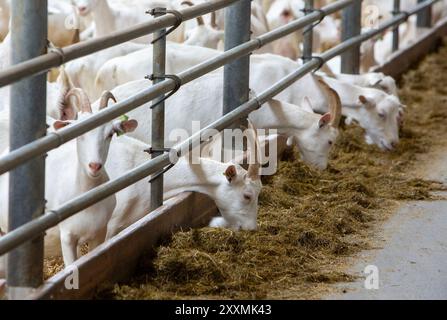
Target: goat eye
330,143
247,197
382,115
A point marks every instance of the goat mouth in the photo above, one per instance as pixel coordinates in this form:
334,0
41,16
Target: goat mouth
386,147
317,166
94,175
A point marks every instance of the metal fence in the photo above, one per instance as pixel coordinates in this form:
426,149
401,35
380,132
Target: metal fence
29,144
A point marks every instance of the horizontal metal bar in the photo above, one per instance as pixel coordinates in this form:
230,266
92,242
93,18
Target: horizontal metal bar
52,218
54,140
54,59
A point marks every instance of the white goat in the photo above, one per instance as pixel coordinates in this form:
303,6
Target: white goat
52,238
137,65
328,32
204,35
374,110
83,160
258,25
377,80
277,67
280,13
83,71
82,163
234,190
113,16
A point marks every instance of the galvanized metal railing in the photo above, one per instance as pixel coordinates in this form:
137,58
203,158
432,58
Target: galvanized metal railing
236,95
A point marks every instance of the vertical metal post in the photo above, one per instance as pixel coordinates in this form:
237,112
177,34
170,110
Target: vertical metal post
351,26
237,73
158,112
308,34
396,10
27,123
424,17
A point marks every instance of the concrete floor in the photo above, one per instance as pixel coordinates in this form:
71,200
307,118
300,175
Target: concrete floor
411,254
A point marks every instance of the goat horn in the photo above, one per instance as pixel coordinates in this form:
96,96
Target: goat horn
334,102
82,99
253,168
76,36
67,84
199,19
213,20
106,96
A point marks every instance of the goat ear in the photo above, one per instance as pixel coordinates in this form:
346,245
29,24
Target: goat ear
363,99
230,173
59,124
68,111
324,120
366,102
129,125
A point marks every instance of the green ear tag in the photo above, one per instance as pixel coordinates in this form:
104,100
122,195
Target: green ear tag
123,118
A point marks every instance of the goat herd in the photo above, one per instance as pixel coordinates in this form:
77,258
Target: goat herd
307,113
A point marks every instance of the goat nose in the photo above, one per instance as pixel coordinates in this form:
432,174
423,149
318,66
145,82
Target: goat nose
95,167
